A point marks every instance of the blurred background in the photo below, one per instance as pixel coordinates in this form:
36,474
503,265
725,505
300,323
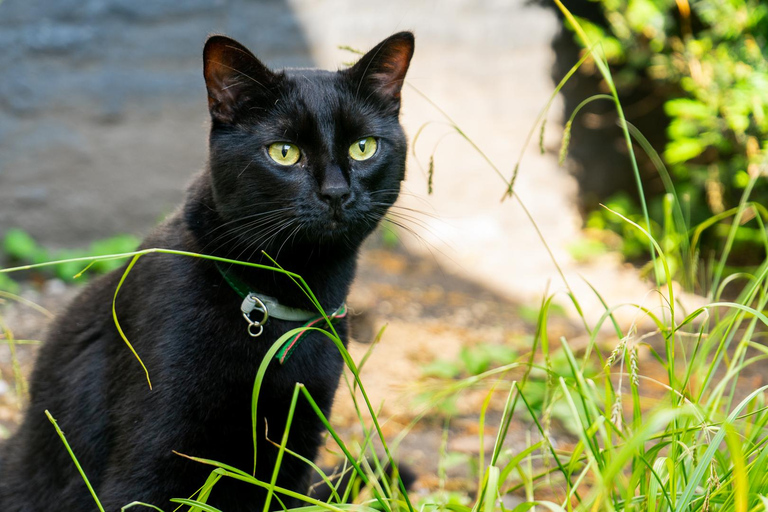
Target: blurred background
104,116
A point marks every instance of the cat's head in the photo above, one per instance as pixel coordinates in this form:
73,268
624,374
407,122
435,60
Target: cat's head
305,156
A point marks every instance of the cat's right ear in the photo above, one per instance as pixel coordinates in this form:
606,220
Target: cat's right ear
234,77
382,70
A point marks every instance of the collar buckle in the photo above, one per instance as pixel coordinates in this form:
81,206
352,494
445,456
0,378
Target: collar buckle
252,303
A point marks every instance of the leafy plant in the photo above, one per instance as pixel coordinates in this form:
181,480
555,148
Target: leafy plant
7,284
20,248
472,360
708,60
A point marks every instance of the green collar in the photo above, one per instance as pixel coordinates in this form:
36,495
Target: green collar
271,307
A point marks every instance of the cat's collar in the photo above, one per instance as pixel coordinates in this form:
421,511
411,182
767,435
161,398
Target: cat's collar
271,307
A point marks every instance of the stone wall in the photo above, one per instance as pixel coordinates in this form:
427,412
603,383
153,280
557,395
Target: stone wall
103,109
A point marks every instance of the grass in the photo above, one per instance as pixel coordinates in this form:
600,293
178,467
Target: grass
666,418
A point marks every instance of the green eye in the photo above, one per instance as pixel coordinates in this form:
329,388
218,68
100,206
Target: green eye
284,153
363,149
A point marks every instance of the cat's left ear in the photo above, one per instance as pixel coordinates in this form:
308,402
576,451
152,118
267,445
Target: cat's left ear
383,68
234,77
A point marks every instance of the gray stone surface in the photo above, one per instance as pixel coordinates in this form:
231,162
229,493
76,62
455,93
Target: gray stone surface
102,106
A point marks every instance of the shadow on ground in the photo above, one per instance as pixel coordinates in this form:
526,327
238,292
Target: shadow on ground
427,315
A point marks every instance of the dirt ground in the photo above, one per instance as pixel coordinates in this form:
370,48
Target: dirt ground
427,314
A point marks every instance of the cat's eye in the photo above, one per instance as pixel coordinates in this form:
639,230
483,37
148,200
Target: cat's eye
363,149
284,153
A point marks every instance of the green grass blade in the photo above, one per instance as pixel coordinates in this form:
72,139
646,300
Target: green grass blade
195,505
602,65
491,489
268,359
74,459
283,443
205,491
705,460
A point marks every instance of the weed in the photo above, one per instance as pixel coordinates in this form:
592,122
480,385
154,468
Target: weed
20,248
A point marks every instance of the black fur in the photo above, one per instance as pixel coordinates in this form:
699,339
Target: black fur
183,318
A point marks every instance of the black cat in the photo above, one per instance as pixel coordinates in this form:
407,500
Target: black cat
303,165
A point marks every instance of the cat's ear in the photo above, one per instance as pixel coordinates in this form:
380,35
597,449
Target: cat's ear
383,68
233,77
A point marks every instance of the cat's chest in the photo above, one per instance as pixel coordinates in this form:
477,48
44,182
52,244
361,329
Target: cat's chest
188,326
220,353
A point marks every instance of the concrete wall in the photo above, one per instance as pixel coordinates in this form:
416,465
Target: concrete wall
103,109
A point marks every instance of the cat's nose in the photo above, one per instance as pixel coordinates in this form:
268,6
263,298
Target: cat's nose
334,188
335,194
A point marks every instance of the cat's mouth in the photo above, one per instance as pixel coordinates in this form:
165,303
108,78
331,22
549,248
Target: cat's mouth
335,226
335,221
336,229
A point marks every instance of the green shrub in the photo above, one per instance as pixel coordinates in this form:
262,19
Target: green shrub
19,248
708,60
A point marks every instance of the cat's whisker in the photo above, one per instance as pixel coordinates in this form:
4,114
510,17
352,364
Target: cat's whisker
394,193
409,218
256,215
274,236
277,255
432,248
429,246
263,241
247,217
402,220
406,214
245,168
294,234
256,242
235,232
234,216
297,231
414,210
250,235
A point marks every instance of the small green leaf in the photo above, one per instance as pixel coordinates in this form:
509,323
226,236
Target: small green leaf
685,107
442,369
18,244
500,354
681,150
7,284
475,360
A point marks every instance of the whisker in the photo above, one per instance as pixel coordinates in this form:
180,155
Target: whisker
245,168
235,232
274,236
286,240
412,210
247,217
255,241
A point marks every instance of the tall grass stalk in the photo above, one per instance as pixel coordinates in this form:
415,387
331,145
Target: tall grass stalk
74,459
